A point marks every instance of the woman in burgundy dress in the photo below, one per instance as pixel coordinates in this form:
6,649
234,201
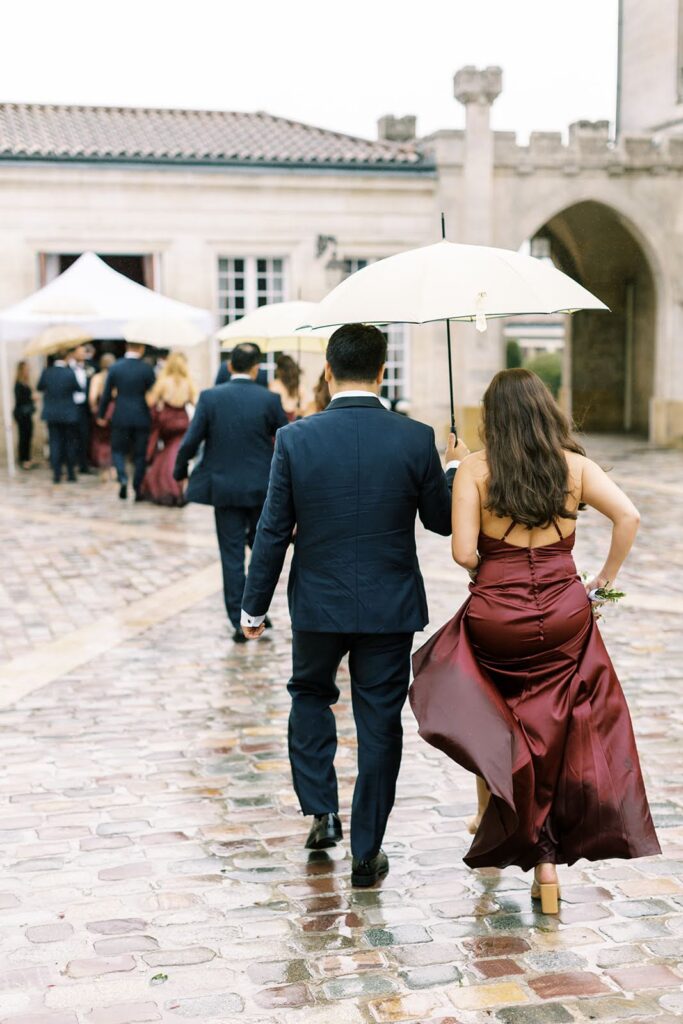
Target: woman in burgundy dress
169,399
100,437
518,687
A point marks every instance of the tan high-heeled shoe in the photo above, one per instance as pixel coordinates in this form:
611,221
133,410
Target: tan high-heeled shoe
483,797
549,895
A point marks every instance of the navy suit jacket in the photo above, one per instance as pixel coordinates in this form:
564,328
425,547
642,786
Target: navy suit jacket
352,479
224,375
132,379
58,384
237,422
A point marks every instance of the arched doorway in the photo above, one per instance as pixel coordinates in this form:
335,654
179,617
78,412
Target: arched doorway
610,364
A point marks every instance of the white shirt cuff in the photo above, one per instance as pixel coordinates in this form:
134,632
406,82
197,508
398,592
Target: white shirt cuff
79,397
452,465
251,620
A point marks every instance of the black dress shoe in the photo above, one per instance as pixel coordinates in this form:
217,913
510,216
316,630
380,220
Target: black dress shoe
138,496
71,479
366,872
326,831
123,492
239,637
267,623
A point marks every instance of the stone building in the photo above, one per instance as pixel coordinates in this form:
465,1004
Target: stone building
228,211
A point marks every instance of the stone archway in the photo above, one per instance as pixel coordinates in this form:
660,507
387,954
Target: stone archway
611,356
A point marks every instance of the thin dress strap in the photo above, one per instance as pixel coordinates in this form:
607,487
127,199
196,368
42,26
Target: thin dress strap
509,530
559,531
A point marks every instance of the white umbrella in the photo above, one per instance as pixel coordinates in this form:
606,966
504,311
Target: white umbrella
164,332
447,281
57,337
274,329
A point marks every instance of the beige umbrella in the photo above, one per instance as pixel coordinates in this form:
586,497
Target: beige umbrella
163,332
448,282
274,329
57,337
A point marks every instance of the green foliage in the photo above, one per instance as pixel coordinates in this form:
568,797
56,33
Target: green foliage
513,355
548,366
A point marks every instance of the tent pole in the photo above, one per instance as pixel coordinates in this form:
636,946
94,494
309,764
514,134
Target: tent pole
6,410
454,429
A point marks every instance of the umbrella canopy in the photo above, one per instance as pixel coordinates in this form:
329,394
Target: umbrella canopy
448,281
274,329
164,332
100,300
52,339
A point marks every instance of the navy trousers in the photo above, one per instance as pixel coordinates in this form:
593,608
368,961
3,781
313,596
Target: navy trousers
123,441
83,436
379,664
235,529
63,440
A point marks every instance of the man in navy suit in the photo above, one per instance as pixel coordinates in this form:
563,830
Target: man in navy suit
60,386
237,422
131,378
224,375
77,362
352,480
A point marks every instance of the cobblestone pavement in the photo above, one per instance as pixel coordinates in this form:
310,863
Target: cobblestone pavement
154,868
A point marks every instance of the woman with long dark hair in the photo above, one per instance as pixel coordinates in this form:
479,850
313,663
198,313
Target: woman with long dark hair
518,687
24,408
287,384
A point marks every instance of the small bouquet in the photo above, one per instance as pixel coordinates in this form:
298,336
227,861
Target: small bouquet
602,595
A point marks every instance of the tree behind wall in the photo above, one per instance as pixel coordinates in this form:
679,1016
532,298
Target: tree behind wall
548,366
513,355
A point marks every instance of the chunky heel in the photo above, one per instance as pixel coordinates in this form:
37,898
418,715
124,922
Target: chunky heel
549,895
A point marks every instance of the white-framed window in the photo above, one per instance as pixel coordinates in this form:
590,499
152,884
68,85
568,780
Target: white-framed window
247,282
397,374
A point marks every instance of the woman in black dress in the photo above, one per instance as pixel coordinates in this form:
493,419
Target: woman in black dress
24,408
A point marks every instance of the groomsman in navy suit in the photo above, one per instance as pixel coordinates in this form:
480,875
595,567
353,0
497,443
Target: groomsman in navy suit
59,386
131,378
352,480
237,422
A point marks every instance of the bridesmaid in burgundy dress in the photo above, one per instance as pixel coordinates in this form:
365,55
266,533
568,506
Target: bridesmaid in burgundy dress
518,687
168,399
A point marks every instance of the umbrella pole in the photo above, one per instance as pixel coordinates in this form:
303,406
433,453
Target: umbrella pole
454,429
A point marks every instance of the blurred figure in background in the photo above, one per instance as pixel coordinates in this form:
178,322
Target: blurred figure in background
169,399
100,437
321,397
287,384
24,408
58,385
77,362
224,374
131,378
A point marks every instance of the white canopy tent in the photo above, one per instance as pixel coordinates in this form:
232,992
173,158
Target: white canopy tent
97,299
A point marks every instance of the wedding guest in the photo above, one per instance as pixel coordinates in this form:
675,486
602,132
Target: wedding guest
321,397
131,378
24,408
518,687
170,398
287,384
224,374
237,422
58,385
100,436
352,481
77,362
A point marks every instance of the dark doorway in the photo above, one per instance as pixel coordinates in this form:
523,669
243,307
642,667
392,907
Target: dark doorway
612,354
134,267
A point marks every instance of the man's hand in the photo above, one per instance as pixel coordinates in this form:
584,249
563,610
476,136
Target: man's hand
253,632
101,423
456,452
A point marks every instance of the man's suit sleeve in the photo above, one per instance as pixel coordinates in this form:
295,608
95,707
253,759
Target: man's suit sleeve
41,385
434,506
223,375
273,535
106,394
196,433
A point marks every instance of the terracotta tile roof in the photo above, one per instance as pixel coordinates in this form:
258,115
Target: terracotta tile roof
131,134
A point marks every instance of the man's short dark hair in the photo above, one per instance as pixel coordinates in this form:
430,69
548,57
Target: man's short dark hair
357,352
245,357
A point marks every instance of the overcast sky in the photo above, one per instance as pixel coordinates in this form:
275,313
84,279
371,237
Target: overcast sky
339,65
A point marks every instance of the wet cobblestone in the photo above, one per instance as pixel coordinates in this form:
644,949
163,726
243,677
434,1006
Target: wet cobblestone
151,842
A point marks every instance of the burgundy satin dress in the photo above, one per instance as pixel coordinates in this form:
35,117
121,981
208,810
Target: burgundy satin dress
169,425
518,688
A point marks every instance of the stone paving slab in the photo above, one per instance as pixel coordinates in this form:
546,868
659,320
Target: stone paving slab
152,848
